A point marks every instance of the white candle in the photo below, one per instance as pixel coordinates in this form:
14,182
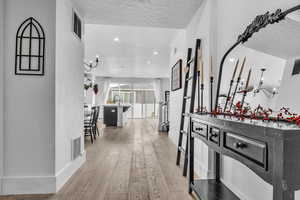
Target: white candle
242,68
211,67
235,69
202,72
248,79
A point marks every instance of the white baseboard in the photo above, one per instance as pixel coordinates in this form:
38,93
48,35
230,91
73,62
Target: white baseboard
236,191
1,184
65,174
201,170
28,185
41,184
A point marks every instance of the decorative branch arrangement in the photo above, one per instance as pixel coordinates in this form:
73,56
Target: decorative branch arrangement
89,84
261,21
259,113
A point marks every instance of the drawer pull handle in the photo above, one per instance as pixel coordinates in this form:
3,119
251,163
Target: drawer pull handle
199,129
240,145
214,135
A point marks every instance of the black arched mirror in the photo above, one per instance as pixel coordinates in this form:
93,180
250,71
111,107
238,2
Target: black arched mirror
30,48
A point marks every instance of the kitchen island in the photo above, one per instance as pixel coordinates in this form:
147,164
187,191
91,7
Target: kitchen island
115,114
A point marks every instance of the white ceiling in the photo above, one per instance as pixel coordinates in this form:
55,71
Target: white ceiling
153,13
131,55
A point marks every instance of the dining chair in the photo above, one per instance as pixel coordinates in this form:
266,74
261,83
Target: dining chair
89,125
96,120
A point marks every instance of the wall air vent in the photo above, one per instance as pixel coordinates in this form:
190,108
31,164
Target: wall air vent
76,148
77,25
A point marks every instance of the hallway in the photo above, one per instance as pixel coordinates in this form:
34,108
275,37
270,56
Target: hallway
133,163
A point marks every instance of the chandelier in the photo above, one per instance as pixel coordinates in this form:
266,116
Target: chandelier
268,91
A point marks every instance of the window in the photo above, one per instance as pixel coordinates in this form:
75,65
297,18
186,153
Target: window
30,48
77,25
145,97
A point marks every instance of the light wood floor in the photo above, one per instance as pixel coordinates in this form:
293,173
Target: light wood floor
132,163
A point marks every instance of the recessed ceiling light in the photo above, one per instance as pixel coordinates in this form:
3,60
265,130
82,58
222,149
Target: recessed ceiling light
155,53
116,39
148,62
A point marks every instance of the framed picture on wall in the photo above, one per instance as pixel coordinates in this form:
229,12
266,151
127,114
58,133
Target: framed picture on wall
176,77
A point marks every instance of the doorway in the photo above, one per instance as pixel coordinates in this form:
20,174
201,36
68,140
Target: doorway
140,96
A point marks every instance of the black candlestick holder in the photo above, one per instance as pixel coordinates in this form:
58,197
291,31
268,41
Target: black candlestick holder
234,93
228,95
243,99
201,103
198,87
211,92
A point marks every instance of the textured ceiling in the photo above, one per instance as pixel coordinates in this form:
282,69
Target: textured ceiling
154,13
130,56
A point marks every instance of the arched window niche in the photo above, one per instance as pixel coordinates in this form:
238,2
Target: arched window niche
30,48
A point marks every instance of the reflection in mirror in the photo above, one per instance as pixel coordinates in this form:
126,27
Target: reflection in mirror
271,55
264,82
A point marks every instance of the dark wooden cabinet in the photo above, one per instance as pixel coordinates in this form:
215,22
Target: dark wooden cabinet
110,115
253,150
199,129
272,151
214,135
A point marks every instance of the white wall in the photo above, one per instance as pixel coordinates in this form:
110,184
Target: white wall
41,113
288,93
1,89
165,86
179,43
218,23
29,105
69,91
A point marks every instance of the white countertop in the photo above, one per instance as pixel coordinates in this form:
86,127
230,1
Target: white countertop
115,105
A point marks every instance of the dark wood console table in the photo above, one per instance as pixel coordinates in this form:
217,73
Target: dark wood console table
271,150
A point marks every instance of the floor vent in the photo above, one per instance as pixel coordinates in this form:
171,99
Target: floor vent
76,148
